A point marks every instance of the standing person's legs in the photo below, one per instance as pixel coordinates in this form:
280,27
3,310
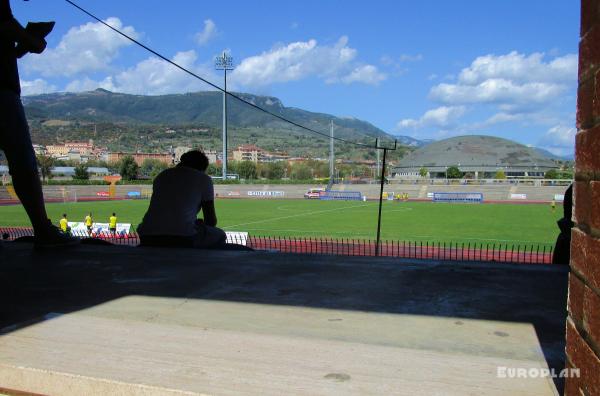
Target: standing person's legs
16,143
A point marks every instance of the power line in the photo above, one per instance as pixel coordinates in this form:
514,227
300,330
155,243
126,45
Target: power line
214,85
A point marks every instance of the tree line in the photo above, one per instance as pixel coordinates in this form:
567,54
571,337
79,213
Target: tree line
247,170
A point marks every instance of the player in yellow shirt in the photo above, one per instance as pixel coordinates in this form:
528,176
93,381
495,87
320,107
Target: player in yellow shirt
89,222
64,224
112,224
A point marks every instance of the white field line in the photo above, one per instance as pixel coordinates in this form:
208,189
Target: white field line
296,215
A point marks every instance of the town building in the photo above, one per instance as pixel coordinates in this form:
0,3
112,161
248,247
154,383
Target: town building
39,149
212,155
251,152
139,158
80,152
248,152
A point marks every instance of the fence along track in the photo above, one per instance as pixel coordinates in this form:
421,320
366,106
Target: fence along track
502,252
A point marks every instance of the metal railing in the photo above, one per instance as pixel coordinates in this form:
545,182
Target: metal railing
446,251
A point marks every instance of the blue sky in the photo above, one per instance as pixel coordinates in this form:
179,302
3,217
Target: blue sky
427,69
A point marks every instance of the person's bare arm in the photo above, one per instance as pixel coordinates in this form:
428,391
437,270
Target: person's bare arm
210,215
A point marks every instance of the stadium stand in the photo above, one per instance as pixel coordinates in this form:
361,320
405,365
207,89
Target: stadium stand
463,197
491,192
480,156
341,196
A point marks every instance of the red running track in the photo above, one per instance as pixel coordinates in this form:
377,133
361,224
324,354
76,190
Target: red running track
527,254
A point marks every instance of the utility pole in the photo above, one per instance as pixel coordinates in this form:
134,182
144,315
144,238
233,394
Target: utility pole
331,158
377,151
381,183
224,62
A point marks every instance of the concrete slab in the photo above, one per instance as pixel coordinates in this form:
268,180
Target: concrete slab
98,320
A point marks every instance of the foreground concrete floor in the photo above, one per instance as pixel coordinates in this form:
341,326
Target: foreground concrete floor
101,320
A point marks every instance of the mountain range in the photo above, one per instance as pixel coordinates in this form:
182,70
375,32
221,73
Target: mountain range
199,108
138,122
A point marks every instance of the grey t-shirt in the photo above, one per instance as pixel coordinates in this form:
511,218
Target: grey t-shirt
176,200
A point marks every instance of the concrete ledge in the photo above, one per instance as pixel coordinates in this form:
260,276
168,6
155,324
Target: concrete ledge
98,320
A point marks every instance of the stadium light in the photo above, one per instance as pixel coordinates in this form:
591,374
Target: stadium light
224,62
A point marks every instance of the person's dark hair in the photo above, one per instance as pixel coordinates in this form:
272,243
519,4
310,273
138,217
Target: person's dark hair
64,215
114,214
194,159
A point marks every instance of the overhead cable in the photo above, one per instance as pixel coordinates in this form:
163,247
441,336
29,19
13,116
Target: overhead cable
214,85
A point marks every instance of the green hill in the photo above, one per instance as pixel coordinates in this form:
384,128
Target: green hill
126,122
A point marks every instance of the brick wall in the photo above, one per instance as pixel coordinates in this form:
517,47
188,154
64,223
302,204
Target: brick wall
583,322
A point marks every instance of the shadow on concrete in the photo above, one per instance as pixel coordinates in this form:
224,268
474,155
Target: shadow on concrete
37,283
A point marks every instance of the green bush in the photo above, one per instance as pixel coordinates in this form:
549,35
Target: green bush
75,182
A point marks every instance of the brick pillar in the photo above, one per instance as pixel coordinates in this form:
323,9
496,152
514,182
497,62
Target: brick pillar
583,322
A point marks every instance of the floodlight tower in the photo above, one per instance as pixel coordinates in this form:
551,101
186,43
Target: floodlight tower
331,156
224,62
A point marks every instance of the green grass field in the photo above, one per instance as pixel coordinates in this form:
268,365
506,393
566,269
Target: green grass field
410,221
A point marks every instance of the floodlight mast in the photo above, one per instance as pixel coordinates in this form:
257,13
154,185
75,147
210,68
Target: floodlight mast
331,157
224,62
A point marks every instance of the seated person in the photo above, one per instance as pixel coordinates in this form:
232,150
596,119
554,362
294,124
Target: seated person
178,195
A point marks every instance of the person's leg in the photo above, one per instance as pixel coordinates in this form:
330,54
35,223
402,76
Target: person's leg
16,143
209,237
22,163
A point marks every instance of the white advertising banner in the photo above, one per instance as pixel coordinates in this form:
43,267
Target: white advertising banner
78,228
266,194
518,196
559,197
241,238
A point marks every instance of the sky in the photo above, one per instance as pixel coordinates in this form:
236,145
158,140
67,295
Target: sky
426,69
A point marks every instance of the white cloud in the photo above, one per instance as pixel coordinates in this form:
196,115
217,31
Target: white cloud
410,58
560,140
367,74
498,91
87,84
86,48
441,117
207,34
36,87
302,59
518,67
525,92
502,117
390,61
512,80
154,76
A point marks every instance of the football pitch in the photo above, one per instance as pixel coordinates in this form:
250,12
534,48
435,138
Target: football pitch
401,221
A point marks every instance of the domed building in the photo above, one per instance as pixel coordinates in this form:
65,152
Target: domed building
479,157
